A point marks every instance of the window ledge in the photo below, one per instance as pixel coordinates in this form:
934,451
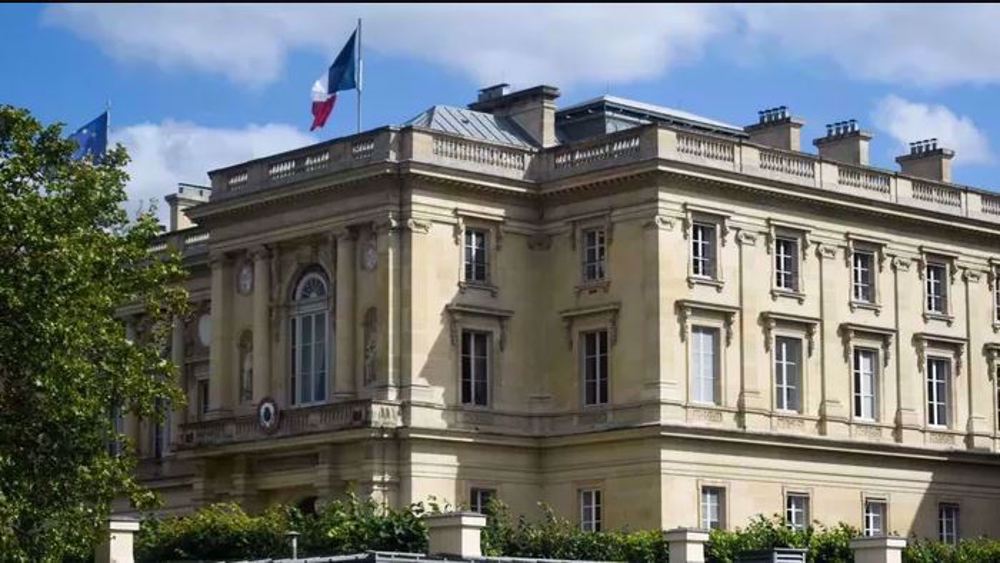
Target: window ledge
481,286
929,316
593,286
866,305
700,280
996,326
788,293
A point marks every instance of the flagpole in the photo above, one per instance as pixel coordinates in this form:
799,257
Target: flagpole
360,75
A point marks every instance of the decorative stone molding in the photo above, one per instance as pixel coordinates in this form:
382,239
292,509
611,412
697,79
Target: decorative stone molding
458,312
718,217
770,320
922,340
776,227
848,332
685,308
579,224
418,226
693,281
902,264
370,343
540,242
610,310
746,238
826,251
992,352
661,222
970,275
493,290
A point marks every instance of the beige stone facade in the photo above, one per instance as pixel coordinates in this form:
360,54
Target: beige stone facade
796,353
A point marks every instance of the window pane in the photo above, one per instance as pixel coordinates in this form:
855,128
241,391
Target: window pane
865,361
704,364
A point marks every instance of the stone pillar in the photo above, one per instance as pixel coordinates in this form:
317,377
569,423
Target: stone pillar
687,545
346,319
219,375
261,324
177,357
456,534
117,548
878,549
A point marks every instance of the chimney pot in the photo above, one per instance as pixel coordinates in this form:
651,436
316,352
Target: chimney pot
534,109
927,160
844,142
495,91
776,128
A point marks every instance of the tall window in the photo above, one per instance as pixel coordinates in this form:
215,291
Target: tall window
797,511
865,378
874,517
787,373
704,364
996,296
937,391
786,264
309,340
594,255
203,396
863,279
590,510
713,508
161,430
937,289
595,367
475,368
948,523
476,258
703,250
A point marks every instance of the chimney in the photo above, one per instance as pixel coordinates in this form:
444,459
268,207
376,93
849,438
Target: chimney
928,161
844,142
534,109
187,195
777,128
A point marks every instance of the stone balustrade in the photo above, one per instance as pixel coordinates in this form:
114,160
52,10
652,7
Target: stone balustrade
293,421
644,144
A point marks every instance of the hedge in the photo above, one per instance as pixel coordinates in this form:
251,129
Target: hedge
225,531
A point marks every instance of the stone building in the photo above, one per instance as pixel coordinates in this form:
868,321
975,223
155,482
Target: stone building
637,315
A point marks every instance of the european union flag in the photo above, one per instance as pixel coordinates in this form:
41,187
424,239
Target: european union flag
91,139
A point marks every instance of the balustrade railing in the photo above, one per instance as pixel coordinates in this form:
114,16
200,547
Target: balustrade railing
791,165
479,153
706,147
613,150
868,180
938,194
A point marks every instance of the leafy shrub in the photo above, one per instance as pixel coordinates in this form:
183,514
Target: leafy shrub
978,550
824,545
558,538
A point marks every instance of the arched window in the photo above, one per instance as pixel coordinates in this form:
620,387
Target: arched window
310,348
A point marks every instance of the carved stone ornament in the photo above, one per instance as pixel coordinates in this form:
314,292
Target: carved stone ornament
369,254
268,415
371,345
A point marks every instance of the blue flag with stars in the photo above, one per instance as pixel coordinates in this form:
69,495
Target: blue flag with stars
91,139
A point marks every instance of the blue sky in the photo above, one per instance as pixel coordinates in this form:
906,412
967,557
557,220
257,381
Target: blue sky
197,87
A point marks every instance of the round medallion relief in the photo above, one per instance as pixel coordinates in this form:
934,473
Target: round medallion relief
205,329
244,281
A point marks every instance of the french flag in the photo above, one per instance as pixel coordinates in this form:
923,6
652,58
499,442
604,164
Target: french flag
342,75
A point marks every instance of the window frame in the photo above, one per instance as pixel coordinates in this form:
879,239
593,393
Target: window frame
857,394
782,404
472,261
710,244
476,494
703,518
857,276
943,283
600,261
867,529
955,533
312,309
790,510
947,384
695,376
592,522
471,401
601,375
794,258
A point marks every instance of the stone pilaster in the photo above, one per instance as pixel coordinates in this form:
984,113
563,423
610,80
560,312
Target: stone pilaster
261,324
345,376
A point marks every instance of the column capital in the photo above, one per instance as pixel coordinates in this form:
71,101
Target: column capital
260,253
345,233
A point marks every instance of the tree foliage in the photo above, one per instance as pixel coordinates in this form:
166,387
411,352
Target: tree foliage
823,544
70,256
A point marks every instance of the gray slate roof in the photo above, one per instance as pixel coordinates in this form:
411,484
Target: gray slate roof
654,110
472,124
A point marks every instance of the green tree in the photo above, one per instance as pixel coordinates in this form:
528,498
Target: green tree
70,256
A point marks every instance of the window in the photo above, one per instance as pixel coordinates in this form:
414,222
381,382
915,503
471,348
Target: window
863,279
479,499
161,430
797,511
937,289
787,373
937,391
594,255
590,510
713,508
786,264
948,523
996,296
703,250
309,340
203,396
704,364
476,257
874,517
475,368
865,379
595,367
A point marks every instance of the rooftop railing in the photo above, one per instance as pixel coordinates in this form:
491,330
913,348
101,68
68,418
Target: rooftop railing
651,143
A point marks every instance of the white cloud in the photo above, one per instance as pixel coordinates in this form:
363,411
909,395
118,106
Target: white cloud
170,152
940,44
517,43
910,121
